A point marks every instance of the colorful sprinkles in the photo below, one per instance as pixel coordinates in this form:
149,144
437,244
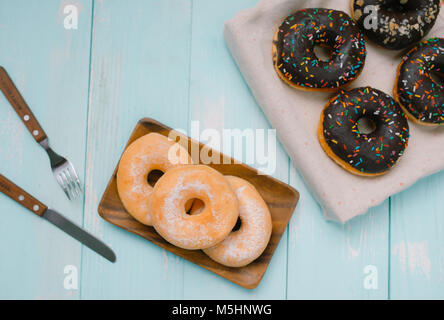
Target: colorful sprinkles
300,32
416,91
374,152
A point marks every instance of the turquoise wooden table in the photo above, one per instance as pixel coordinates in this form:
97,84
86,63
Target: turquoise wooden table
89,80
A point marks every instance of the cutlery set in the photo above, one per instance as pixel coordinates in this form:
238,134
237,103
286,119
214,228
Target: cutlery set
62,169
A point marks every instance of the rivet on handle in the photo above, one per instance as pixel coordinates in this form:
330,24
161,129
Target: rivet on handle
19,104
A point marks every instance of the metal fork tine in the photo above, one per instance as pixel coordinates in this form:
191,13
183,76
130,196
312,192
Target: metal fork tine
76,179
64,172
70,183
72,179
62,184
65,183
79,186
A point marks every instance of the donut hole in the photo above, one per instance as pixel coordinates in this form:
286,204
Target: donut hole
194,206
323,52
238,224
153,176
366,125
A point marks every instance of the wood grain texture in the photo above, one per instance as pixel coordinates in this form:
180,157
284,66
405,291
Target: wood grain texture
326,259
281,200
135,73
50,67
20,196
220,99
417,241
20,106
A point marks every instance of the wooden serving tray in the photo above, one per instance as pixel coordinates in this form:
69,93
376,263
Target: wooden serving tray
280,198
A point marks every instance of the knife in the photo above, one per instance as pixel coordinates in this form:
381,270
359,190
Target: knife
29,202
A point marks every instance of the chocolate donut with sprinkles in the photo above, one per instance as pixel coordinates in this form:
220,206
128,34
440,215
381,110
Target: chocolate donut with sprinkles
293,50
395,24
419,94
365,154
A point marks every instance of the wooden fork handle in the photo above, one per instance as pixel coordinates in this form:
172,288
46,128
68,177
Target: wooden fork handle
21,197
19,104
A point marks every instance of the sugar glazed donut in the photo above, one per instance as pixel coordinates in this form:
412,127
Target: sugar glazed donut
363,154
211,224
245,245
293,50
415,90
150,152
397,23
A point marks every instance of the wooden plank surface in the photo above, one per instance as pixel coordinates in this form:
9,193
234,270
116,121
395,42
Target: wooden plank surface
139,70
328,260
50,66
417,241
280,198
220,99
167,60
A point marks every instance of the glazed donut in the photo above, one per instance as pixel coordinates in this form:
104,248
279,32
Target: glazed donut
293,50
245,245
366,154
420,96
146,154
395,24
198,231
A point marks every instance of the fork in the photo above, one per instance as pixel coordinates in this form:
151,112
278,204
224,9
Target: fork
62,169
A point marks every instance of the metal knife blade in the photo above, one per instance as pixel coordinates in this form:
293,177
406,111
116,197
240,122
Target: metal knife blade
79,234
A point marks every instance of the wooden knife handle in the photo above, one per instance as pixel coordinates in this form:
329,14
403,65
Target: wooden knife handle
21,197
19,104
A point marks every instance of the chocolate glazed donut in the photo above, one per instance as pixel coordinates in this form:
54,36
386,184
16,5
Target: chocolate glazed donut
397,23
367,154
421,96
294,42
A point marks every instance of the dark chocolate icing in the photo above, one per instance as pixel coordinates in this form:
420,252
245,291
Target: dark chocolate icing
400,23
371,153
300,32
415,89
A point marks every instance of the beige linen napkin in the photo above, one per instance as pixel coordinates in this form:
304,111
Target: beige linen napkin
295,113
